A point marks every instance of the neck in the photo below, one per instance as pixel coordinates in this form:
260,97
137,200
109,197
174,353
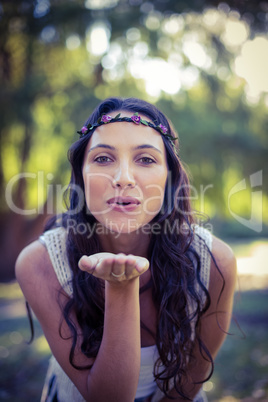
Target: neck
127,243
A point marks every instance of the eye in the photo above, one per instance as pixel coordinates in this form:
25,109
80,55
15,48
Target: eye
146,160
102,159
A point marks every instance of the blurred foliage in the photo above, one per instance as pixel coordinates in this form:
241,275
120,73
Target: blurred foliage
58,59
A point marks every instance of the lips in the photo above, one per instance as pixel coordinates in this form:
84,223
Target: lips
123,203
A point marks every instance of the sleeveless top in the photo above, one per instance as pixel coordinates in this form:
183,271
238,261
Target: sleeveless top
57,382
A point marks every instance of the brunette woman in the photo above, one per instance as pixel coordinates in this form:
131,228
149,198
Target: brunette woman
134,297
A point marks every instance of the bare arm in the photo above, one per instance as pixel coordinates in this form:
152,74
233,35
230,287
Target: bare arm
112,377
216,321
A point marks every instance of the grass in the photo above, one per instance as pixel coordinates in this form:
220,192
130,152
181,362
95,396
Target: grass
22,366
241,367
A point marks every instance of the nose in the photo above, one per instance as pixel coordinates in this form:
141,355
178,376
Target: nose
123,177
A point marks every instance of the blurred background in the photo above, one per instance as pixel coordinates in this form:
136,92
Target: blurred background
204,64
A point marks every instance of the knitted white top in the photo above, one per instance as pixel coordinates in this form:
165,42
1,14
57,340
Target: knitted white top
55,242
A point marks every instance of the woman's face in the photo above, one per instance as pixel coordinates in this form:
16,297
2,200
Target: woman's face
124,172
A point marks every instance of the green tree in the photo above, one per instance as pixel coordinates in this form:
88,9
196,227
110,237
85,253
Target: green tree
58,59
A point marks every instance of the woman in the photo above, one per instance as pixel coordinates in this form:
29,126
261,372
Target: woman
134,298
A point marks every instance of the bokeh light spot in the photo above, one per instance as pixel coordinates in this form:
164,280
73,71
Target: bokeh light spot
73,42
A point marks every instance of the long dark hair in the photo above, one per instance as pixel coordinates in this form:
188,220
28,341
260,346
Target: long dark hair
174,263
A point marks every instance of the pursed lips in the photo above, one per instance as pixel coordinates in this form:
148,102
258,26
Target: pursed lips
123,201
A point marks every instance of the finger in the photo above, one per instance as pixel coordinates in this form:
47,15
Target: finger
88,263
136,266
130,266
104,267
142,264
118,268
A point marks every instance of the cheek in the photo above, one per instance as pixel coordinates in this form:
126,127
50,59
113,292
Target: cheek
156,183
155,193
95,186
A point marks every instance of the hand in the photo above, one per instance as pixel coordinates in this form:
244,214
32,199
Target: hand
114,267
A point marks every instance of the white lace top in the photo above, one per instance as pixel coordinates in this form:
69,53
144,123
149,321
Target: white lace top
55,242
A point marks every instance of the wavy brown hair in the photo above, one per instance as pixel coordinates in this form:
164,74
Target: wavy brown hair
174,263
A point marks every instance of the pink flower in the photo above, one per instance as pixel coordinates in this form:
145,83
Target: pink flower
106,118
163,129
84,130
136,119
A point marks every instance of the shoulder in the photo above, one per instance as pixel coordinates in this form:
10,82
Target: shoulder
224,257
34,273
222,262
223,268
32,260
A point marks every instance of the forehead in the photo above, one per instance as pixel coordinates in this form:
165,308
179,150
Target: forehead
126,134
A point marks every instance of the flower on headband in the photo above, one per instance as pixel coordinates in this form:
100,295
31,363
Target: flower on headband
162,128
106,118
84,130
136,118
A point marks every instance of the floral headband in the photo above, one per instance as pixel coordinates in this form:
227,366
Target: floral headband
135,118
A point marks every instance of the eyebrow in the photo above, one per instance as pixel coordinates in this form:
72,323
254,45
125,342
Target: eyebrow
102,146
144,146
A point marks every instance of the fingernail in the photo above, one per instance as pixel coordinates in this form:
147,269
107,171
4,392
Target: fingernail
140,265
